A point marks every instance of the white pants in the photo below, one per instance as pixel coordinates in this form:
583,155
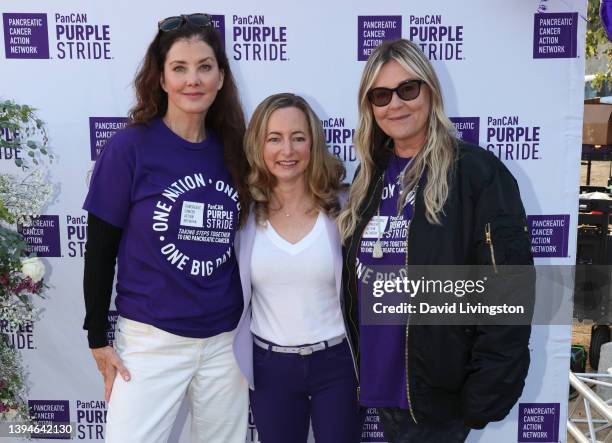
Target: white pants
163,368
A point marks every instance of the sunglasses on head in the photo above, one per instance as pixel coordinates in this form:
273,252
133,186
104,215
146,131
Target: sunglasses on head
408,90
176,22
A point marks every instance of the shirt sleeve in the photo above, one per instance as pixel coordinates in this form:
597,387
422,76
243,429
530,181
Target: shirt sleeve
500,356
101,251
110,189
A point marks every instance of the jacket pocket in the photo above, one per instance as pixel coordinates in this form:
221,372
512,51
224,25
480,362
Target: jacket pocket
506,242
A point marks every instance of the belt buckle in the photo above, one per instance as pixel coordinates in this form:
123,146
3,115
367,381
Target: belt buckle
306,350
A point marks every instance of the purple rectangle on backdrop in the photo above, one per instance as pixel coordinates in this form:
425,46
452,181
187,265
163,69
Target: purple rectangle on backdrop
372,428
468,128
100,130
25,35
112,319
549,235
43,236
219,25
538,422
50,412
555,35
372,30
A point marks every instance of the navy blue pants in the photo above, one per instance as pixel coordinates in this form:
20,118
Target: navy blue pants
290,390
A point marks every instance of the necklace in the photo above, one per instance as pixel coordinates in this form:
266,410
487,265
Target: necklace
288,214
377,251
397,171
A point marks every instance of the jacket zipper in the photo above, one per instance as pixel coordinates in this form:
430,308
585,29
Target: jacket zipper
356,353
489,241
408,320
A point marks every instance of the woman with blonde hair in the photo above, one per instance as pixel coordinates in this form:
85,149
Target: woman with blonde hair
291,343
445,202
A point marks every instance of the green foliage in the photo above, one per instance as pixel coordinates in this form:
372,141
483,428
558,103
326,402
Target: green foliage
13,389
22,198
596,36
27,132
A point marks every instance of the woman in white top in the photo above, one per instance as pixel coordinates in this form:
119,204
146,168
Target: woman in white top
290,262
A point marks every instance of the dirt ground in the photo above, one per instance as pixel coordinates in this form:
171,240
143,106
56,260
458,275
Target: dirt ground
600,171
581,332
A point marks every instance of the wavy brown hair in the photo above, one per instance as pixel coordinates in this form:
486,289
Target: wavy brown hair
323,175
225,117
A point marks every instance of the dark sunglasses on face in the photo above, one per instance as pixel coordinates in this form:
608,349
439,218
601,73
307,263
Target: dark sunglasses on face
176,22
408,90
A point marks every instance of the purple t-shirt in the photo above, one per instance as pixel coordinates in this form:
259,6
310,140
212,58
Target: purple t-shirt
178,209
382,362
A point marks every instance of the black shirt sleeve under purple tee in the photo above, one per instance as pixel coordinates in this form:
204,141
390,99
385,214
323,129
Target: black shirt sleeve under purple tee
178,211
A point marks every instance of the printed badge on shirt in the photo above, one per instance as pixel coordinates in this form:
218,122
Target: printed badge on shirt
376,227
182,235
192,214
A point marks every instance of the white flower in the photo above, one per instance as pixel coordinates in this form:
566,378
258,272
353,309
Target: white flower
11,414
34,268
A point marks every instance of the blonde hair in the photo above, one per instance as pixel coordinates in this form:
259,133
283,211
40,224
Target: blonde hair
437,155
323,175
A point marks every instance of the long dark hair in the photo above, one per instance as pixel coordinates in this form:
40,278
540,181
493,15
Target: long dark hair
225,117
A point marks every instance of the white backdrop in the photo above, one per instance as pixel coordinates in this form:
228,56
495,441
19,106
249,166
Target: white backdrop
512,79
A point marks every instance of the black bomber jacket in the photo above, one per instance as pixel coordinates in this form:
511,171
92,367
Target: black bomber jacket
475,373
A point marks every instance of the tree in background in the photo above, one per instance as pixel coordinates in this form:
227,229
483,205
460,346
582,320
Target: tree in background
597,44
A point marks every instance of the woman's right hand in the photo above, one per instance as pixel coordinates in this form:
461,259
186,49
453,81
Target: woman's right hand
109,363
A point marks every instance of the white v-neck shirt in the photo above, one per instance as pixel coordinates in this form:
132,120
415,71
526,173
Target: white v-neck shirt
294,288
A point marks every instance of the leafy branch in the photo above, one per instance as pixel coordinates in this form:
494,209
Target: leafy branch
596,38
22,130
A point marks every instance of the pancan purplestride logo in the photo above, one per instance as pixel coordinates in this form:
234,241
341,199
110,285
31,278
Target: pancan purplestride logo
77,36
76,235
468,128
9,152
257,40
43,236
372,428
112,319
509,139
21,338
538,422
90,419
80,38
372,30
339,138
555,35
100,130
218,22
549,235
25,35
438,40
50,412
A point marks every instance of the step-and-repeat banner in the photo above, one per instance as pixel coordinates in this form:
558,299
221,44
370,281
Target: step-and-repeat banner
512,76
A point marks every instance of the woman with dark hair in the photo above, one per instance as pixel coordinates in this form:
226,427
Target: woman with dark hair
423,197
293,347
165,201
